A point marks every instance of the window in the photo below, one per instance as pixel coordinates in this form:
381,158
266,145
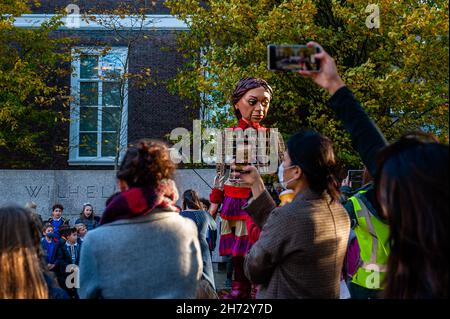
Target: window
98,87
210,111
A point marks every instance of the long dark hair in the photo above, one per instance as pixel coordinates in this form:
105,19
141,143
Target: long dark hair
21,255
412,189
314,154
92,216
146,163
243,86
191,200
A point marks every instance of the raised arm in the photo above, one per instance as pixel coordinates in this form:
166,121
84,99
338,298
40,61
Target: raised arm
216,195
366,137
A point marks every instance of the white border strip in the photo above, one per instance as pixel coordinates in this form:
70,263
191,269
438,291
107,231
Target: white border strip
153,22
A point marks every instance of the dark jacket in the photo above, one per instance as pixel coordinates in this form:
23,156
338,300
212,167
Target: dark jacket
90,223
63,256
301,249
205,223
367,141
54,290
366,137
63,259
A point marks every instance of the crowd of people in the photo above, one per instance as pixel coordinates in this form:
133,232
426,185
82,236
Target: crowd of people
387,239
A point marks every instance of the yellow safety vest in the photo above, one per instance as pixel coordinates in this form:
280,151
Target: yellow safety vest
373,236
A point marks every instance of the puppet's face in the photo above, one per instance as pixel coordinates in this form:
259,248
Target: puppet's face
254,104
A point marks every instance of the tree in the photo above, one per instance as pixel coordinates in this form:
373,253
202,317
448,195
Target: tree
30,64
398,71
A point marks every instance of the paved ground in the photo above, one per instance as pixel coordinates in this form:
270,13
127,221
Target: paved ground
220,276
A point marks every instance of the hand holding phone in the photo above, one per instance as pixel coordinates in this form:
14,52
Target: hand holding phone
239,168
328,76
355,177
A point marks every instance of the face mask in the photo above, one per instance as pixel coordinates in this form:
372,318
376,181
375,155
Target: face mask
50,235
283,183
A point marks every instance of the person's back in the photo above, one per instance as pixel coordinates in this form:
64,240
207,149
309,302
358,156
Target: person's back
302,245
151,256
143,247
311,243
204,222
327,226
368,244
411,184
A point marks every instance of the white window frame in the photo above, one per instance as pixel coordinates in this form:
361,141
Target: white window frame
74,158
127,22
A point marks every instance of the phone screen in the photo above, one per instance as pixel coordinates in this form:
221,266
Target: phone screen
356,177
292,57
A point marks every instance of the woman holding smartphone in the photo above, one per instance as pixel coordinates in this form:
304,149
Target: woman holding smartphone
411,184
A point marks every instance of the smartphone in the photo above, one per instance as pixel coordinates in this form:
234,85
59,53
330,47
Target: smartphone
292,57
355,176
240,168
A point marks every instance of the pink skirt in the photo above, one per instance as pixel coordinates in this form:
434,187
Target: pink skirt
234,239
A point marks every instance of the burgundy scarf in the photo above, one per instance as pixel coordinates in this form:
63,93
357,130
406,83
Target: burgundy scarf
138,201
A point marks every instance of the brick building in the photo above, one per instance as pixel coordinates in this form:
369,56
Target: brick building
82,169
94,113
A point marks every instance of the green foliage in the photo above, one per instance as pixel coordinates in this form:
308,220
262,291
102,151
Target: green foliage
30,63
399,71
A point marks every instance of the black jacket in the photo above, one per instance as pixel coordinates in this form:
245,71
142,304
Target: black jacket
63,257
366,137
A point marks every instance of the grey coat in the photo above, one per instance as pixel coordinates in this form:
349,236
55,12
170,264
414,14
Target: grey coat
153,256
301,248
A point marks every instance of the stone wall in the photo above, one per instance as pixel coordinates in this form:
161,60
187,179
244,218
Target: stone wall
72,188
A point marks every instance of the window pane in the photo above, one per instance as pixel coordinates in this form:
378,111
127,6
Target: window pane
88,93
109,144
88,118
112,66
111,94
89,66
88,144
110,119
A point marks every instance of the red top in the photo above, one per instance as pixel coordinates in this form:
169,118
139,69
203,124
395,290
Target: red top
243,124
216,196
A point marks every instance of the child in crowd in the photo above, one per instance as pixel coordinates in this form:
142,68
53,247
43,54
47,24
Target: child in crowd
81,231
88,217
195,210
57,220
49,244
67,258
211,236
